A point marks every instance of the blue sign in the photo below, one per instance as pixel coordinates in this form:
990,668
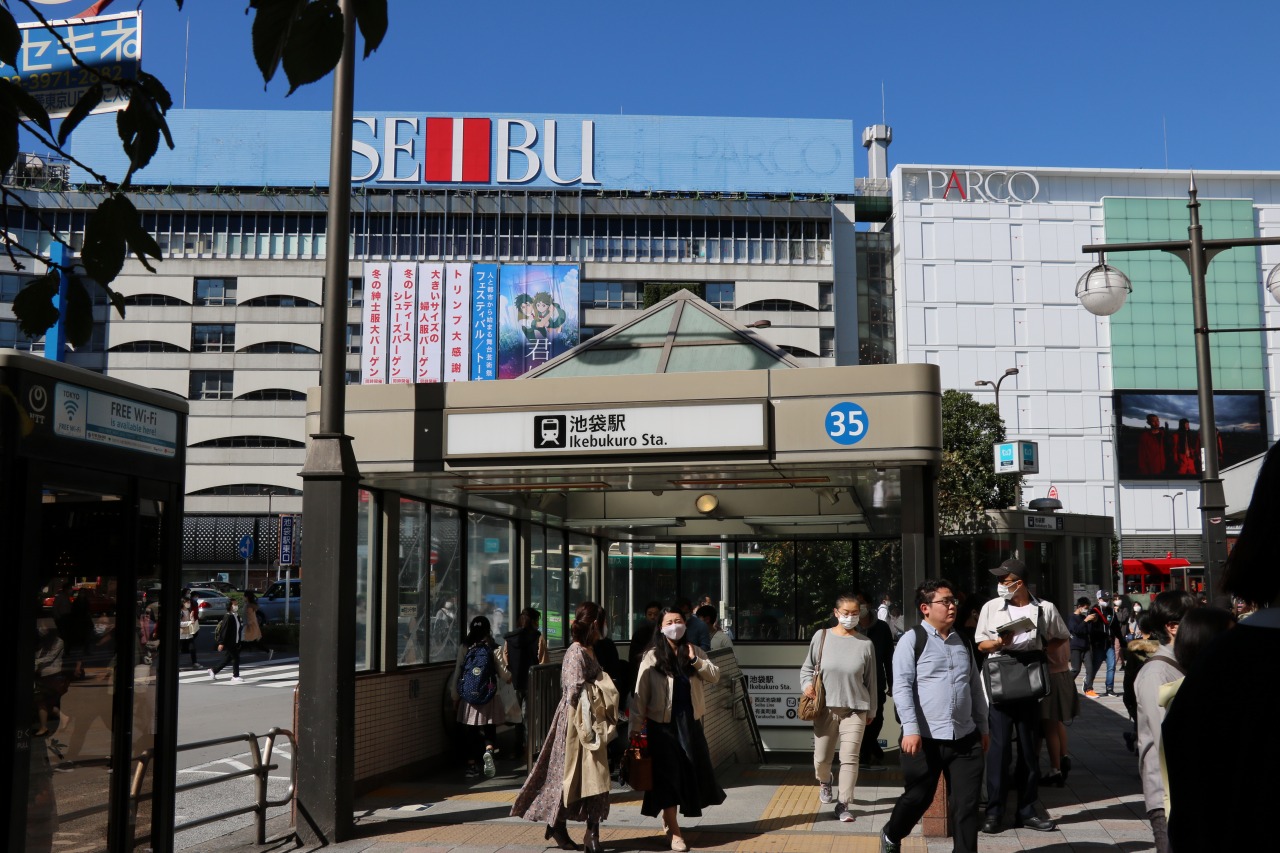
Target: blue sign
246,546
497,151
286,540
1006,453
484,321
847,423
111,46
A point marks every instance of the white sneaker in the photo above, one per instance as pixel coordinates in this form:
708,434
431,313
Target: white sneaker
213,676
490,769
237,680
843,814
824,793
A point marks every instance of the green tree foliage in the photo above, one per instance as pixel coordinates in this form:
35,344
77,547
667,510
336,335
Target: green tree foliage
967,484
303,36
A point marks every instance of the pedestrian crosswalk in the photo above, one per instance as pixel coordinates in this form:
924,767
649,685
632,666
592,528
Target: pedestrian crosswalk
281,672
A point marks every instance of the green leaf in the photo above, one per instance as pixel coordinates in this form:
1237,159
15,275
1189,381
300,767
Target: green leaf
138,127
104,239
140,242
117,299
10,38
271,27
33,306
8,135
24,103
314,43
79,312
371,15
90,99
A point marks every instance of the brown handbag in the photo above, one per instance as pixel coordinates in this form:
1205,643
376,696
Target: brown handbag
811,709
637,766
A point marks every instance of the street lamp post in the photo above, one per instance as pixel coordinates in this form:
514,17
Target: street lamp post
1173,517
1012,371
1102,291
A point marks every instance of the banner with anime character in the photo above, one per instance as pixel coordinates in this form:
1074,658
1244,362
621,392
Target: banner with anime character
538,315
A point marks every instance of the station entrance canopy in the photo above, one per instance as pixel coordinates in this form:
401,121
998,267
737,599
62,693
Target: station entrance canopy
591,444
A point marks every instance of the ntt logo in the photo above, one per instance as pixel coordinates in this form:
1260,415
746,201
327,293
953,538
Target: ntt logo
461,151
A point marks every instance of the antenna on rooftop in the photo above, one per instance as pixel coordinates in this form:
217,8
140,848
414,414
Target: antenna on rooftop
882,112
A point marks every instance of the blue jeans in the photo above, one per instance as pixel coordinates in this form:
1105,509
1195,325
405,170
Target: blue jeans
1111,667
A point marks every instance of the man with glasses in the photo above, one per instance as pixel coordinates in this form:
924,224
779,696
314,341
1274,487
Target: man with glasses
944,721
1015,601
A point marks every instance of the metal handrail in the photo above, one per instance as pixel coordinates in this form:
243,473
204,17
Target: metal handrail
262,766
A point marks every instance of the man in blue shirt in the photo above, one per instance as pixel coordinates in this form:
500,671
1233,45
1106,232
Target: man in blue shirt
944,722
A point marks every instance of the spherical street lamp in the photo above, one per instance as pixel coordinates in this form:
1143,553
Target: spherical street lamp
1103,290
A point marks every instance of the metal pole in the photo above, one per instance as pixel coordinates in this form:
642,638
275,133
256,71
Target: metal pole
325,756
1213,504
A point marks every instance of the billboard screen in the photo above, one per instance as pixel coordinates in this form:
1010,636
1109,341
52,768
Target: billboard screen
1158,432
538,315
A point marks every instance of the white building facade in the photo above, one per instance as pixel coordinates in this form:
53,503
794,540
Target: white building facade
986,260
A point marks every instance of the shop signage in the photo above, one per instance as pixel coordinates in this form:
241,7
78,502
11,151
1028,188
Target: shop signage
619,430
59,62
972,185
106,419
775,695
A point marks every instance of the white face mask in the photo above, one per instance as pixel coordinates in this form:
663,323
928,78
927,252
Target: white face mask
1005,591
673,632
847,622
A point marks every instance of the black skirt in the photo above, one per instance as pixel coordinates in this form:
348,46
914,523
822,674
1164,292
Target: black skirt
682,772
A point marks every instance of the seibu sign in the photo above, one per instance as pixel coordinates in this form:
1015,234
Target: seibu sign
457,150
972,185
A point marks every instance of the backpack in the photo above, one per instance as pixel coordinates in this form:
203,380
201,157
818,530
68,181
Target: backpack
478,682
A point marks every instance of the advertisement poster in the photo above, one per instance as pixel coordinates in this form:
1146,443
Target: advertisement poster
457,322
538,311
373,342
1158,432
484,321
775,695
430,322
400,353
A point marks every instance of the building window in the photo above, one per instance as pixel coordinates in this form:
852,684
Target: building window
274,394
211,385
279,348
215,291
147,346
355,292
616,295
213,337
240,490
12,336
239,441
352,377
153,299
280,302
354,336
720,295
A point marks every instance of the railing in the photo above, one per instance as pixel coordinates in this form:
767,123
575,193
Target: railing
745,697
543,697
262,766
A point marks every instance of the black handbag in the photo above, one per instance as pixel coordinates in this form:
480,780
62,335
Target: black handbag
1018,676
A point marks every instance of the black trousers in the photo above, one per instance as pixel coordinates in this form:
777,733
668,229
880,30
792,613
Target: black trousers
871,751
1005,719
230,655
960,762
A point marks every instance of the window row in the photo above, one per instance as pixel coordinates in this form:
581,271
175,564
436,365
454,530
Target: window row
241,441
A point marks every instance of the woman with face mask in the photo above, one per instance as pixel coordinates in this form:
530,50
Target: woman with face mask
669,706
847,662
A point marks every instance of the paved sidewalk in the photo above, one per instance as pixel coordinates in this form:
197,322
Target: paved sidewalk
771,808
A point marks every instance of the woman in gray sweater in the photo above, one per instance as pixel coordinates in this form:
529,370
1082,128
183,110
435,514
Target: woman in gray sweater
847,662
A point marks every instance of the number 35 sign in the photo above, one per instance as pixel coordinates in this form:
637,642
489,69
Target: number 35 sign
847,423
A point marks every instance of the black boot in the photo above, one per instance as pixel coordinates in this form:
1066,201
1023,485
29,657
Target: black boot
591,843
560,835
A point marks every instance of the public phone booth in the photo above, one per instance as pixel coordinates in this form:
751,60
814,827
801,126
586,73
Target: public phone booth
91,487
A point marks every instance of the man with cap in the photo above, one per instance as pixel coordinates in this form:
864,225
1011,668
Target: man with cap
1015,601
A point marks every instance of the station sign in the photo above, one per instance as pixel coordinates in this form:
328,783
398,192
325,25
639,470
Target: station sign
1016,457
1044,522
624,430
775,696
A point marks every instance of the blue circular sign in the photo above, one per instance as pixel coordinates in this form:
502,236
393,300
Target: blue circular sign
246,546
847,423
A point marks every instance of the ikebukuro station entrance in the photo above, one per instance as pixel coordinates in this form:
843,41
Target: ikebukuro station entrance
767,491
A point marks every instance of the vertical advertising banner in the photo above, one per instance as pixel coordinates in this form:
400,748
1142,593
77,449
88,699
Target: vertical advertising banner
484,321
538,316
400,354
457,322
430,322
373,343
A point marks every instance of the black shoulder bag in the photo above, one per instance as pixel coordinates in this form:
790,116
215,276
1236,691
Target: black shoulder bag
1018,676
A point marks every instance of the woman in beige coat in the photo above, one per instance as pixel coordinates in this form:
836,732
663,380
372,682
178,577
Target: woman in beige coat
670,704
570,778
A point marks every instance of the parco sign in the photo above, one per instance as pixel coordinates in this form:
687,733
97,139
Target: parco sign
971,185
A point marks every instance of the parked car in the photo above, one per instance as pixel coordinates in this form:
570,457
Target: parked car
221,586
210,604
272,602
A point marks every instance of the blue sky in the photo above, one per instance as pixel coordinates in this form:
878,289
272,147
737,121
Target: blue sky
1090,84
